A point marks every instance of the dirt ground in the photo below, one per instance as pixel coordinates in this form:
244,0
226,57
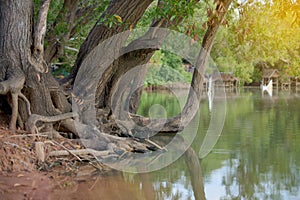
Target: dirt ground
23,177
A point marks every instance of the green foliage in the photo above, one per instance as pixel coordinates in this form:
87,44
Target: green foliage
253,32
257,32
81,28
172,10
165,68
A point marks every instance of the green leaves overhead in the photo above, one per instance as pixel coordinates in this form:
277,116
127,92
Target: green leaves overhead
260,31
253,31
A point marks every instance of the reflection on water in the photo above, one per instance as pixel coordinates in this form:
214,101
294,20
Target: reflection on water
256,157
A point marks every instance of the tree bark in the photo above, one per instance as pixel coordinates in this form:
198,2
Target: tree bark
130,13
178,122
14,50
135,58
21,65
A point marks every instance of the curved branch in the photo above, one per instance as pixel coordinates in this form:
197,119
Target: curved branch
130,12
40,28
36,59
141,56
13,86
14,114
178,122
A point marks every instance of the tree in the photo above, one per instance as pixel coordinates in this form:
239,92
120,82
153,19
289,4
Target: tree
28,46
259,32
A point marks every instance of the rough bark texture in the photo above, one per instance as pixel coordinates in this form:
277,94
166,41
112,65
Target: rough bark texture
132,59
14,49
178,122
130,12
40,29
21,61
23,68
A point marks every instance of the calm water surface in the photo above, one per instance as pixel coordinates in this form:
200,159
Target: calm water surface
256,157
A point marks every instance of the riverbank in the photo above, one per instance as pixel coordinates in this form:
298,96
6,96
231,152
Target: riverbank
22,176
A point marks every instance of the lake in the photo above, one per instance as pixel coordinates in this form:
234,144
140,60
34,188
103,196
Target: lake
255,157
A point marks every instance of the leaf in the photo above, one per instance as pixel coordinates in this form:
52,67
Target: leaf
119,19
131,27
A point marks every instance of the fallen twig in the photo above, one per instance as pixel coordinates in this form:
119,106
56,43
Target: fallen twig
70,151
27,135
156,145
15,145
79,152
40,151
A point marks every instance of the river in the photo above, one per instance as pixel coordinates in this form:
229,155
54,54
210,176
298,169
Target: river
255,157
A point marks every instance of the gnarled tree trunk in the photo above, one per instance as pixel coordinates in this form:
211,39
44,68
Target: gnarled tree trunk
22,66
24,70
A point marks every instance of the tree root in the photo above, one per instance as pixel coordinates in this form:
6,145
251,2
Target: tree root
22,96
79,152
34,118
15,108
97,143
14,86
14,114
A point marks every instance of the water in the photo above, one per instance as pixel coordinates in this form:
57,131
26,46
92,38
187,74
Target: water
256,156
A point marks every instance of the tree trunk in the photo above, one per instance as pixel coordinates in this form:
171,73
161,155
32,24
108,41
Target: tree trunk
129,11
19,64
178,122
132,59
15,18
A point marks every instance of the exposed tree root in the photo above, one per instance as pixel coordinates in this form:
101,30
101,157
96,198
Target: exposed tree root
22,96
14,86
14,114
79,152
96,142
31,124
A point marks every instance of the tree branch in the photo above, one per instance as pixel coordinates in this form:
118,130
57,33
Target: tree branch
40,28
178,122
130,12
56,43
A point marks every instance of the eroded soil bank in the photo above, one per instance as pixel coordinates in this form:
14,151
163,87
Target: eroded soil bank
65,177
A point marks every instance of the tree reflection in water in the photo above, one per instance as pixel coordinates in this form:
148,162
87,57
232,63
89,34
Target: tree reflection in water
257,157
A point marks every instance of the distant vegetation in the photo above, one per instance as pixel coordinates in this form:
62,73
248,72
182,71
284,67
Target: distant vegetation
254,32
166,67
255,35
